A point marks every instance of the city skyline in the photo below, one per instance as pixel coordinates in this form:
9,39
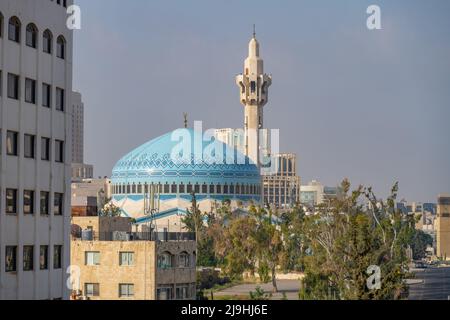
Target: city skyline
324,62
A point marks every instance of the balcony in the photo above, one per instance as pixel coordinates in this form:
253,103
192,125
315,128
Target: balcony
88,235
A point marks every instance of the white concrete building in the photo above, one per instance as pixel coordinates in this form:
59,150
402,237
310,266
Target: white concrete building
35,153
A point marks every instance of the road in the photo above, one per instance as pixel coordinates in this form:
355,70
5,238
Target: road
435,285
289,287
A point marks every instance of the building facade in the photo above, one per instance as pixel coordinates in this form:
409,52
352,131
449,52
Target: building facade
35,154
235,138
314,194
89,196
77,110
282,189
80,170
115,263
443,227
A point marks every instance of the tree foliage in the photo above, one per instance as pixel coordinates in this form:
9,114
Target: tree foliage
353,232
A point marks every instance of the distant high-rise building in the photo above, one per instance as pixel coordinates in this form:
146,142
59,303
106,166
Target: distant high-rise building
282,188
443,227
314,194
35,98
80,170
77,128
235,138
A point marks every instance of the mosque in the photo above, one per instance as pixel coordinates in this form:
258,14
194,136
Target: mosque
155,189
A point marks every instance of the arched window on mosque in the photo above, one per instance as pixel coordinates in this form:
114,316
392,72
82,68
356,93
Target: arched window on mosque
133,190
173,188
139,190
189,188
181,190
232,189
204,188
238,189
211,189
225,189
166,188
197,188
219,189
128,189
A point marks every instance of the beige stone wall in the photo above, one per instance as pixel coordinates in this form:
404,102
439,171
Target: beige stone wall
109,274
443,231
143,274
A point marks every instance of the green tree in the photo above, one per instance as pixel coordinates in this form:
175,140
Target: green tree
419,243
351,233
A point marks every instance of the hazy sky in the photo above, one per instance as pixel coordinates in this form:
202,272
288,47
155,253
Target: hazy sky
373,106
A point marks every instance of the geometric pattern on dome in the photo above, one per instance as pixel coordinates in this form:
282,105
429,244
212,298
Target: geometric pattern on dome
153,160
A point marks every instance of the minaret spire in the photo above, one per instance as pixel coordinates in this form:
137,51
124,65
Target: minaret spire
254,93
185,116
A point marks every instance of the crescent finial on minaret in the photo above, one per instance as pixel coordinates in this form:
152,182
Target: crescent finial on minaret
254,31
185,116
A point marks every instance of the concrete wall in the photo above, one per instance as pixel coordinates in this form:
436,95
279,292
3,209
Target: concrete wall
18,172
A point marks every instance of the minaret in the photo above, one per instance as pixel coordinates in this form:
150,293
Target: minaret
254,91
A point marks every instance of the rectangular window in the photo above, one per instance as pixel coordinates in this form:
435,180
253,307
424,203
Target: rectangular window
59,151
126,258
92,289
11,259
60,99
126,290
58,204
28,202
164,293
44,203
57,257
45,149
28,252
12,145
11,201
13,86
29,146
43,258
46,95
92,258
30,91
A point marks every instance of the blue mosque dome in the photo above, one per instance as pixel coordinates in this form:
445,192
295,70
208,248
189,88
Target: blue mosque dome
211,169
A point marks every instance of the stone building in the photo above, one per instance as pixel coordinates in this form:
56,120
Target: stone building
115,263
443,227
